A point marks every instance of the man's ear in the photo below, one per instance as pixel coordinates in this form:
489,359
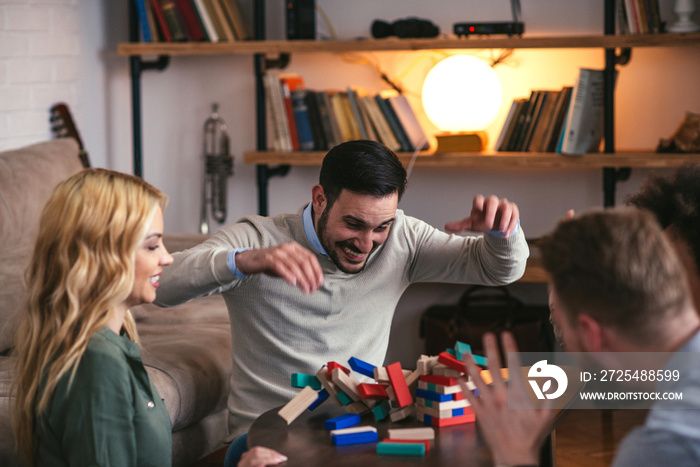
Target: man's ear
590,333
318,199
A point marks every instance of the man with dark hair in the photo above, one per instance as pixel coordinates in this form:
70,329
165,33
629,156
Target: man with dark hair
675,202
350,254
616,286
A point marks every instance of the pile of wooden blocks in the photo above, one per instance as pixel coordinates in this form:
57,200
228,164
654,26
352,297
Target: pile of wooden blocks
431,392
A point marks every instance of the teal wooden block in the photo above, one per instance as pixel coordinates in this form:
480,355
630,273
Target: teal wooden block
400,449
301,380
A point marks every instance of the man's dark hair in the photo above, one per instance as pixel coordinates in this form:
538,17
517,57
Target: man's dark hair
364,167
675,202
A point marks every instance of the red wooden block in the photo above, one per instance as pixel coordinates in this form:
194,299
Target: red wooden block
332,365
441,380
447,359
426,442
458,396
372,391
398,384
468,417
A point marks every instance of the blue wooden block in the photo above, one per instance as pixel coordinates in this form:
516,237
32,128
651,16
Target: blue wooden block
362,367
458,412
322,397
343,421
300,380
400,449
433,396
354,438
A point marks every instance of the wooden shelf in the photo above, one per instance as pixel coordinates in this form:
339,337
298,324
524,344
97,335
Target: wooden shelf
394,44
497,160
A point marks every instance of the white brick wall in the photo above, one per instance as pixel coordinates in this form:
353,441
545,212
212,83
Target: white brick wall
40,58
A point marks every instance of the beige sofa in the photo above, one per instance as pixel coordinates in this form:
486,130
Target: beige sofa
186,349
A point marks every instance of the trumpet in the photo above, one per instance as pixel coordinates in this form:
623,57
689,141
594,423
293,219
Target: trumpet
218,167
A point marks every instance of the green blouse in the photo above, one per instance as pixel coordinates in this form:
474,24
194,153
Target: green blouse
112,414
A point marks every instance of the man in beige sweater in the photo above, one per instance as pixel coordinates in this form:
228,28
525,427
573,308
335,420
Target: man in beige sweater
346,258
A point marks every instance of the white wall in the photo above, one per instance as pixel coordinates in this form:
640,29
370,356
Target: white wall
654,91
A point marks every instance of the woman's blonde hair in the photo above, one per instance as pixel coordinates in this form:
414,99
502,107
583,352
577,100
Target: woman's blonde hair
81,270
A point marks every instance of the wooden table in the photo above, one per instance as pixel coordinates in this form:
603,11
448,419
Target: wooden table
308,444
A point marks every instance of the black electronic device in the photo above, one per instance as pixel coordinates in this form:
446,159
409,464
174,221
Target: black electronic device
509,28
301,19
404,28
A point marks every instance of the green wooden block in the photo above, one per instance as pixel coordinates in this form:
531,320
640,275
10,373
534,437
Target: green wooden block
400,449
301,380
344,398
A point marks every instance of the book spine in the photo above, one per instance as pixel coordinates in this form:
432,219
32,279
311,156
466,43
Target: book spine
172,20
330,123
301,117
190,19
317,130
288,106
143,21
585,118
394,124
205,18
352,97
507,123
409,121
165,33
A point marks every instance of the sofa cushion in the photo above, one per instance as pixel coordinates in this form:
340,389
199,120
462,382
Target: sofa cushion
20,209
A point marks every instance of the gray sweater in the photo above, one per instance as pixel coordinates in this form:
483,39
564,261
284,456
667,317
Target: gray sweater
277,330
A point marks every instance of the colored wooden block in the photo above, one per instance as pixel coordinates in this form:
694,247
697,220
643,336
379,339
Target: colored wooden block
298,404
381,410
444,370
301,380
354,438
333,365
458,396
411,433
322,397
347,383
461,348
342,421
398,383
433,396
402,413
442,405
372,391
481,361
441,380
401,449
468,417
424,442
439,388
358,407
433,412
425,364
412,379
362,367
322,376
353,429
344,399
381,376
447,359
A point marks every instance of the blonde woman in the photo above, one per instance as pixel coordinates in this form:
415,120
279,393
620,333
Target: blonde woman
83,396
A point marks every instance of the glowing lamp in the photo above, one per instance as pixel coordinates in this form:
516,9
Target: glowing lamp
461,95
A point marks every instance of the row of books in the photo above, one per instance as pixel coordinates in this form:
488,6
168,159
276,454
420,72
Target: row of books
567,121
192,20
303,119
639,17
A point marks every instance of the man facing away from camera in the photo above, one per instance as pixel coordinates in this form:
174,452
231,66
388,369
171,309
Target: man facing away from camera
616,285
322,284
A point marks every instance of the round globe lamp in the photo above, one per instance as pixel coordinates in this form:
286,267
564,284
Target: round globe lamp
461,96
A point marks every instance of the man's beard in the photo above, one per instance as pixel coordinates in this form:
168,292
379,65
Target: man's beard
322,225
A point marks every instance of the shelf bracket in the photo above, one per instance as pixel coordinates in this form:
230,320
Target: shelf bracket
623,57
611,176
281,62
264,174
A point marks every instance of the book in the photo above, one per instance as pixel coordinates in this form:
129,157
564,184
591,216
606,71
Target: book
336,98
409,121
584,130
349,117
220,21
238,20
543,122
205,18
160,21
317,130
553,134
172,20
508,123
357,115
379,123
289,83
521,123
534,119
281,123
461,142
330,124
190,19
215,20
394,123
301,118
143,21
